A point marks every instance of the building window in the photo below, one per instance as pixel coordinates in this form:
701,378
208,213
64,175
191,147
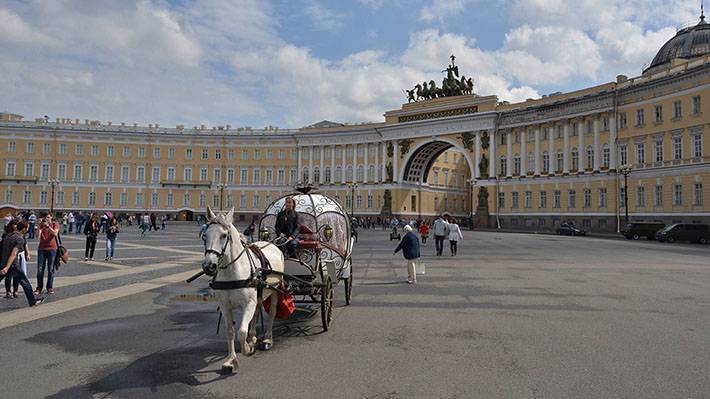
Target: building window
639,117
140,174
528,199
205,153
109,151
186,199
94,150
605,155
280,176
659,114
574,129
156,174
204,174
27,197
501,201
93,172
658,150
124,199
257,155
560,162
75,198
514,200
11,146
516,165
602,197
696,105
658,196
697,194
623,155
545,133
29,169
217,154
305,174
677,109
108,198
109,173
46,148
62,149
640,153
556,199
139,199
187,173
338,174
575,159
126,151
358,202
92,198
503,169
590,127
269,177
169,200
77,172
360,173
590,157
531,162
697,146
188,153
30,149
257,176
543,199
545,162
42,197
255,201
677,194
156,153
44,171
640,196
678,148
622,120
171,153
125,173
203,200
572,197
282,155
215,200
587,198
141,152
371,173
503,138
605,123
245,155
171,173
369,201
349,173
10,169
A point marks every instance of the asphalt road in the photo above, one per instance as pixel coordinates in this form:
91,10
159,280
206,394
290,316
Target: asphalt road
513,316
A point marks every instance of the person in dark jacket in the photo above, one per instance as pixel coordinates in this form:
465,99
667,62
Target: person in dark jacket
410,249
287,227
91,230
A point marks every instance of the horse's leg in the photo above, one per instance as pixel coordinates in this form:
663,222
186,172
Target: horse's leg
268,335
252,326
231,363
249,311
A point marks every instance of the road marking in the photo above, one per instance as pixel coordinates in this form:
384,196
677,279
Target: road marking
143,246
87,278
105,264
24,315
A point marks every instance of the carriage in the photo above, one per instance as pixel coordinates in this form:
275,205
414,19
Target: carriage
324,256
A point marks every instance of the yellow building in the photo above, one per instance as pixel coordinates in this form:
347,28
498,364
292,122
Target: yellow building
529,165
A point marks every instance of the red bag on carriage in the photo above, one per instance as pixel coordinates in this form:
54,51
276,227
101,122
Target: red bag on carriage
285,305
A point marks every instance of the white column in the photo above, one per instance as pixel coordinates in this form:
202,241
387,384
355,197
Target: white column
395,161
355,162
551,150
492,160
612,141
342,161
477,156
580,146
377,161
332,163
321,175
596,143
366,167
300,165
565,147
383,167
538,155
310,164
509,154
523,153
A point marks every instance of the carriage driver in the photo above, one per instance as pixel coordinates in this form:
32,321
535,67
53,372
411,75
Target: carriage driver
287,226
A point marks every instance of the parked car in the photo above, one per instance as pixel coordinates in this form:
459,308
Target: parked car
693,232
636,230
570,230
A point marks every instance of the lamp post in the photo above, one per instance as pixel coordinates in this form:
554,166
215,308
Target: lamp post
52,183
221,187
472,183
625,170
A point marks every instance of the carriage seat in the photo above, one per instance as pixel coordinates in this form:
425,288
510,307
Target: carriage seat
307,239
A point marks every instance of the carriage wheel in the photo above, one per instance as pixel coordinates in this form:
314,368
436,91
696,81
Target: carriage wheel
326,303
349,286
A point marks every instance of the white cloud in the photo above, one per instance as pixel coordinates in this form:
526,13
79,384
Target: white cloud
438,10
322,17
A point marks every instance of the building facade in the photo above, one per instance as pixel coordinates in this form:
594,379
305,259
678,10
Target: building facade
530,165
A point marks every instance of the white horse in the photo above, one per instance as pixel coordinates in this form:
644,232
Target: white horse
226,256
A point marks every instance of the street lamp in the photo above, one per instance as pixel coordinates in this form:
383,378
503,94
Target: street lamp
472,183
221,187
53,182
625,170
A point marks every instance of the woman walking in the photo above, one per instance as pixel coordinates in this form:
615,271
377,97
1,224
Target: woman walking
23,257
91,231
12,244
410,249
46,252
10,228
111,233
454,236
424,232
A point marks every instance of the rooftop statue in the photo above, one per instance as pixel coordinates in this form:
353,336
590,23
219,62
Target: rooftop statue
451,85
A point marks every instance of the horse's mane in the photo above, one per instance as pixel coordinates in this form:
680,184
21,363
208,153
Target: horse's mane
222,221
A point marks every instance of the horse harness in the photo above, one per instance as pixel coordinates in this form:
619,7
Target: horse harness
257,275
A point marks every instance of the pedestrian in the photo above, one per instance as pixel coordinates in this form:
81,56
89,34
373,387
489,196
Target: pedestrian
203,231
32,219
65,223
410,249
10,228
454,236
79,222
91,231
23,257
163,221
71,219
111,234
153,222
424,232
440,231
12,244
104,219
46,252
145,223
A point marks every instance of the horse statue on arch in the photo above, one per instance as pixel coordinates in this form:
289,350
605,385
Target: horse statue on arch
241,281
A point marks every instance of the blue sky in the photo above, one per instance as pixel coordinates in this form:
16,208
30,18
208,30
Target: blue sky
292,63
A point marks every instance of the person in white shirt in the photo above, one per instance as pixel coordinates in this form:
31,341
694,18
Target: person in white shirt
440,229
454,236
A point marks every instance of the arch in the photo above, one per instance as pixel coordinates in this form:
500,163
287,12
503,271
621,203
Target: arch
421,158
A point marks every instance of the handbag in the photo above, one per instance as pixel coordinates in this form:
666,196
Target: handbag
420,266
62,253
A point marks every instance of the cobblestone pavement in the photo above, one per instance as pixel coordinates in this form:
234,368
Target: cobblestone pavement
514,315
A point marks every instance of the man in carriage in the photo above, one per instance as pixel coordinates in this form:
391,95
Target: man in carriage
287,226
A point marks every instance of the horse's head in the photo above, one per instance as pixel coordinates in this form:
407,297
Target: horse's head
219,235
